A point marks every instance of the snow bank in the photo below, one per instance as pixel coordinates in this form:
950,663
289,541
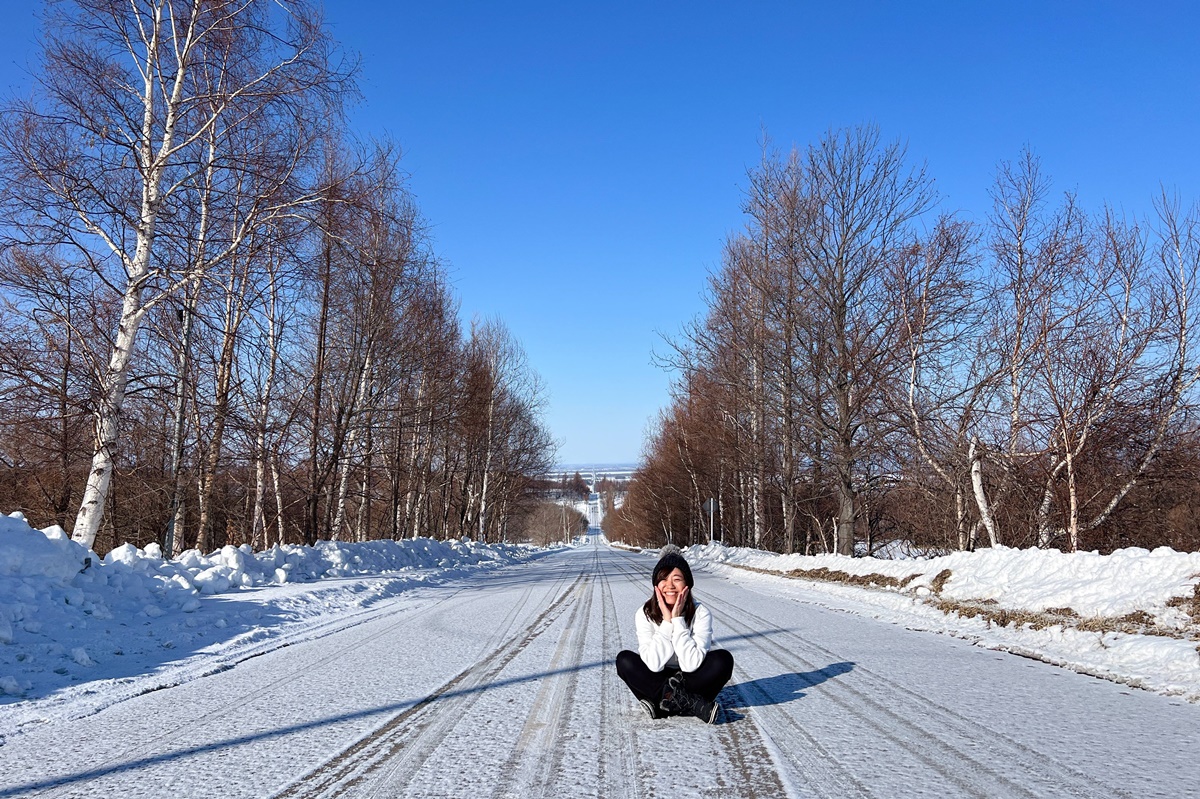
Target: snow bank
68,616
1090,584
1075,593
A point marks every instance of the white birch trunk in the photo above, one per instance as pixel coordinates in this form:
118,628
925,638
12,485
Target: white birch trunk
756,473
278,499
487,464
108,415
1045,535
981,500
116,377
360,393
174,538
415,462
259,523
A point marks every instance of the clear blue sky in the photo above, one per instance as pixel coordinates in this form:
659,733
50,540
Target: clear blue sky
581,164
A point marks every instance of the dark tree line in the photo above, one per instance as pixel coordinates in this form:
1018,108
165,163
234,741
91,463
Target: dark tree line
224,321
870,370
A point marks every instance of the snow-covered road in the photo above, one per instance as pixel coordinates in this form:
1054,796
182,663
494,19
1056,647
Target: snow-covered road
500,685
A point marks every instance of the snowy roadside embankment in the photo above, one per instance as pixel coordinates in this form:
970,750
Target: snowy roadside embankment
1132,616
78,632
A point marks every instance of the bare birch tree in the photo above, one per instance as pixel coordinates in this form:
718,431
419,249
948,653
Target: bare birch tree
128,94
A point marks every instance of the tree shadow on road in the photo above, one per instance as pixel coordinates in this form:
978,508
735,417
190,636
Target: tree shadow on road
777,690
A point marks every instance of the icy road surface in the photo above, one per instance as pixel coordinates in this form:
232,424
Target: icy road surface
501,685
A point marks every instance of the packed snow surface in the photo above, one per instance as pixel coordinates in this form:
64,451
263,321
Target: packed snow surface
495,679
382,668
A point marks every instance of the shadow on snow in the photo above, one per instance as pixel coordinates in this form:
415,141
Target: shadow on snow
779,689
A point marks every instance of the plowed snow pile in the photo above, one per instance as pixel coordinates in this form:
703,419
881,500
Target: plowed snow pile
1132,616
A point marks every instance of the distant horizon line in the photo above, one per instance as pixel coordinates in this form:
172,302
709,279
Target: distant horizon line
597,466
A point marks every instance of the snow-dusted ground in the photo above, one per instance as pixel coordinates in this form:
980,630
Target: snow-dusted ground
498,682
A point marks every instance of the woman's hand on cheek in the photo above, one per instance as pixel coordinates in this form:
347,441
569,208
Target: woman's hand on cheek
677,611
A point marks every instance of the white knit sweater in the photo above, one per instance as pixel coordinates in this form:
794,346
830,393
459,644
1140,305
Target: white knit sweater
673,643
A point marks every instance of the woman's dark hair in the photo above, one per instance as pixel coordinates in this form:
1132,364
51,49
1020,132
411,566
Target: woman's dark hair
667,564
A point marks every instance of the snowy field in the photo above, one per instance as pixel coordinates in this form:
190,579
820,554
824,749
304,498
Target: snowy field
453,669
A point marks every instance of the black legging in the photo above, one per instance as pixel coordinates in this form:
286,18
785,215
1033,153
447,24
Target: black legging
706,681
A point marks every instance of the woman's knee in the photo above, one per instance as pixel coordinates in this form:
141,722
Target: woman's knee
722,662
628,662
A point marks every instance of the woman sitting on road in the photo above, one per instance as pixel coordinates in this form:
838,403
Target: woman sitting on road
675,671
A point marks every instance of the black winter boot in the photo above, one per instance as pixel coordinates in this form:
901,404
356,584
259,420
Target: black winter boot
679,701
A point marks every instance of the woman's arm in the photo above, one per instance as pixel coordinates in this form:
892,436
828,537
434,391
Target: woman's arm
691,644
654,641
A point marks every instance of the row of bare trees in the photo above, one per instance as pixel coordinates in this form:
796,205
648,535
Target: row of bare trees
223,321
871,371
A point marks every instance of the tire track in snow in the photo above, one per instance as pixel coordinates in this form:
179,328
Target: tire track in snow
619,776
814,760
324,629
1029,760
535,760
525,763
404,777
753,760
920,726
397,748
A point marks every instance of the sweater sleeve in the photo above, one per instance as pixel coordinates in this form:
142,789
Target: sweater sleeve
691,644
654,641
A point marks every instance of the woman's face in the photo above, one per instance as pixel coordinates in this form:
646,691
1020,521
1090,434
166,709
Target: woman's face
671,585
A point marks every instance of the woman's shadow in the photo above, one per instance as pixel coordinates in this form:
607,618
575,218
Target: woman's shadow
779,689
